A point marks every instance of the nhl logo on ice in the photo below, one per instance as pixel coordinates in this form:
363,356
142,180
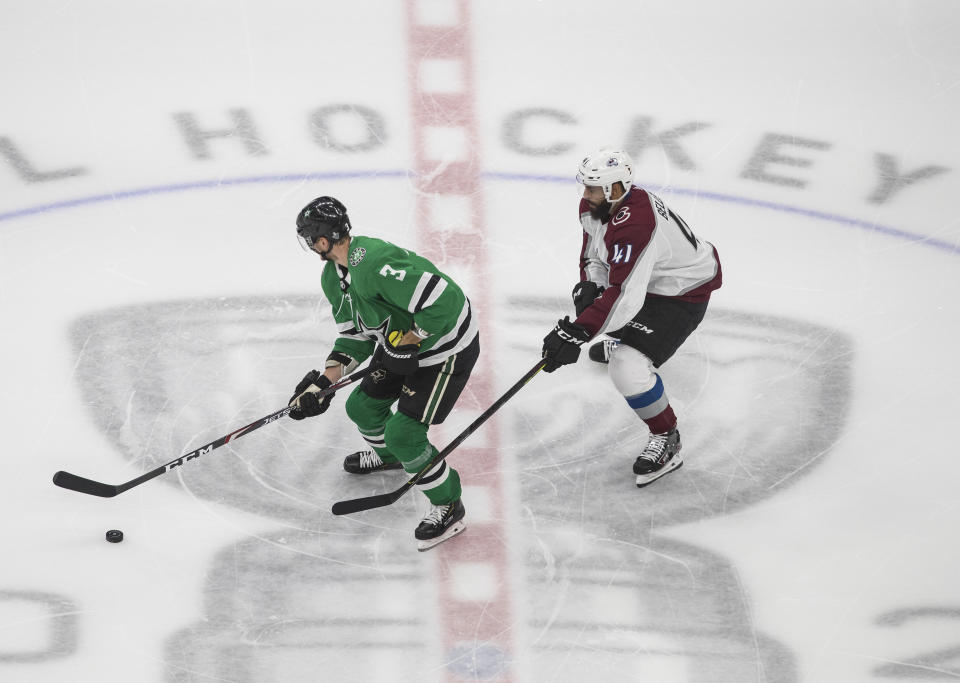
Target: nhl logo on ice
356,256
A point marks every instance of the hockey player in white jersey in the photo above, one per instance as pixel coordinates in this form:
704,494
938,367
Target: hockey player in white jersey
645,282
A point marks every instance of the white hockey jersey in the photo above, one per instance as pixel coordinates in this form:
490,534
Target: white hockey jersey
644,250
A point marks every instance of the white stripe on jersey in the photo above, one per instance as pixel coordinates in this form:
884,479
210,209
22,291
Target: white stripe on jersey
418,292
435,294
347,330
421,288
463,343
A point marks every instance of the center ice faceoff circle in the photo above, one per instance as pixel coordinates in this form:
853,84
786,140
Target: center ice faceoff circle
743,427
592,438
568,442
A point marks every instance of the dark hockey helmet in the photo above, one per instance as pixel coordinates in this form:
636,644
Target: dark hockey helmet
323,217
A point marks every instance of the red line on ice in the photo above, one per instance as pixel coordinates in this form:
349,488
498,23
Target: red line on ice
482,619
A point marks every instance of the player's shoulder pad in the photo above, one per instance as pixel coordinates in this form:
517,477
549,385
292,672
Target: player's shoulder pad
370,250
636,211
369,257
363,250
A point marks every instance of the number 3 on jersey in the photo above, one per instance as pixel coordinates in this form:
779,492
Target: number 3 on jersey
387,271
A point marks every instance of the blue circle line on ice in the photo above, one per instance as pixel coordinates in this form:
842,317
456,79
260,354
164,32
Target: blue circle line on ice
921,240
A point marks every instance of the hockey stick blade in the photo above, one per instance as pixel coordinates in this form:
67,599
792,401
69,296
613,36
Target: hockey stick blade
66,480
80,484
347,507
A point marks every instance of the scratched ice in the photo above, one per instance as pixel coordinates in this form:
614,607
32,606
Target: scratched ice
154,298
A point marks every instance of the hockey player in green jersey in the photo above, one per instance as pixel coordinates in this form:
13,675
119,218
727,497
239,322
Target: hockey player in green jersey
416,322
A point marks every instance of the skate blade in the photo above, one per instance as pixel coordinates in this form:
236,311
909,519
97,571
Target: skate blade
455,529
647,479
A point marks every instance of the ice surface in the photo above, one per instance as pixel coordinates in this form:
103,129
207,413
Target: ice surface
153,298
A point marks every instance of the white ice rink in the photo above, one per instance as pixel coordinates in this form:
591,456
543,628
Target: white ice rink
153,297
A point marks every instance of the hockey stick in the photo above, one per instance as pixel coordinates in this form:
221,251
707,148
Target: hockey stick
346,507
95,488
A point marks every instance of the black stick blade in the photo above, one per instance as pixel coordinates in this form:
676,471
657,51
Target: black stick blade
348,507
82,485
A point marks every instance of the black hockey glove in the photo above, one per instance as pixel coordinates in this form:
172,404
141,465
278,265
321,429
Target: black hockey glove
400,360
584,294
305,400
562,345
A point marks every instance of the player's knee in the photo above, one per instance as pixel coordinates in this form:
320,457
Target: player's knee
631,371
403,434
360,409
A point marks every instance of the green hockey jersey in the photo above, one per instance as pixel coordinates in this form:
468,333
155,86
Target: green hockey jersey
386,288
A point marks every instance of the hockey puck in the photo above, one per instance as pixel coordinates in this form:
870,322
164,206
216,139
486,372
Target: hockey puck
114,535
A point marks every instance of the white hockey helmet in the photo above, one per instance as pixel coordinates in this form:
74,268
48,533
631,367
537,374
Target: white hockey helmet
604,167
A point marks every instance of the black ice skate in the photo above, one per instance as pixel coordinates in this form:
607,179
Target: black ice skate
441,523
600,352
365,462
660,456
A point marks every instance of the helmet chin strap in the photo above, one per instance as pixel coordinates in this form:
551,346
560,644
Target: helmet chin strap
325,254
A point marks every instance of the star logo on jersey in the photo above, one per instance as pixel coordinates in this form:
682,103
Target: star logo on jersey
375,332
356,256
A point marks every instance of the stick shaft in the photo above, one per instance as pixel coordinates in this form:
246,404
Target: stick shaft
80,484
346,507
